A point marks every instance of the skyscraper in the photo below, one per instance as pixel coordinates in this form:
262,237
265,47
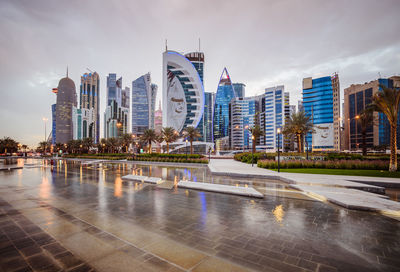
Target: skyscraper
356,98
223,97
205,125
66,100
143,104
90,100
239,89
321,100
274,117
158,119
242,117
183,92
117,109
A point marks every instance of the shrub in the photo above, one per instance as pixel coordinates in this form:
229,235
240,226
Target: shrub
338,164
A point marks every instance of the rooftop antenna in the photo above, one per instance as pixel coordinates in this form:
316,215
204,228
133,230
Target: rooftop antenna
67,70
166,45
199,45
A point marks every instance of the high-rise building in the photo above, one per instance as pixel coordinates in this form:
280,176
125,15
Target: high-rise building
143,104
273,117
90,100
242,117
205,125
240,89
66,100
223,97
356,99
158,119
321,100
300,105
197,59
117,109
183,92
53,124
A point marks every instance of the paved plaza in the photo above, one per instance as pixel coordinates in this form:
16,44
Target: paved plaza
73,217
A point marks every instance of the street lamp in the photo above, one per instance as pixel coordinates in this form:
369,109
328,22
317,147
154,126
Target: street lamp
252,150
45,134
279,158
349,120
186,148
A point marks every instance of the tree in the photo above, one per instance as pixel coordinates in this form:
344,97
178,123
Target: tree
42,146
256,132
149,136
387,101
8,145
87,144
366,119
191,134
298,124
103,145
112,144
126,140
169,135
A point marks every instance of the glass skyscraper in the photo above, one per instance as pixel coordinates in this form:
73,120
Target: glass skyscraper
274,116
90,100
143,104
240,89
223,97
320,96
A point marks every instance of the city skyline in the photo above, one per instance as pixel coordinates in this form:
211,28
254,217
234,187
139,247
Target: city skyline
37,45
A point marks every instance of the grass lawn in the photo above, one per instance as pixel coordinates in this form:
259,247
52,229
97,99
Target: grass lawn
347,172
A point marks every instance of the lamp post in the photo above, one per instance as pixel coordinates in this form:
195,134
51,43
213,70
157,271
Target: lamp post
45,132
349,120
252,150
186,148
279,143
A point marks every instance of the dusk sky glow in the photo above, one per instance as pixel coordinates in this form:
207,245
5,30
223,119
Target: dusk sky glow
261,43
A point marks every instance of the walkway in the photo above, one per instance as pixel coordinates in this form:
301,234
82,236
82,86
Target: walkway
348,191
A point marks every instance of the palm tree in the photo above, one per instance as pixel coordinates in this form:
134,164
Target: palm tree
387,101
256,132
298,124
112,144
366,118
103,144
191,134
126,140
42,146
149,136
8,145
87,143
169,135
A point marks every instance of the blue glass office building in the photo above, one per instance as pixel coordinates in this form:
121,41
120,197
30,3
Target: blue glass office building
143,104
274,116
223,97
320,103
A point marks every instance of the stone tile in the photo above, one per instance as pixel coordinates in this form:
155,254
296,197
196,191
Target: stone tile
54,249
175,253
68,260
41,262
118,262
210,264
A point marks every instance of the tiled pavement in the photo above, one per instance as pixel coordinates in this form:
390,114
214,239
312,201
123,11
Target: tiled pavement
115,227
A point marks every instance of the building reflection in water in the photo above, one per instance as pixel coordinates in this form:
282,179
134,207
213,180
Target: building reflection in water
279,213
44,187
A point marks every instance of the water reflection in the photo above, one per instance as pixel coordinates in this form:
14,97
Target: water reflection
118,187
279,213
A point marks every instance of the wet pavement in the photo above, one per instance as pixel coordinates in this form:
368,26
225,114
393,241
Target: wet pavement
71,218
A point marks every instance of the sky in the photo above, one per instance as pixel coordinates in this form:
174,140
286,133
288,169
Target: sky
262,43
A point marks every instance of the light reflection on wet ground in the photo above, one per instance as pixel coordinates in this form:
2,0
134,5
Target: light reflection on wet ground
284,232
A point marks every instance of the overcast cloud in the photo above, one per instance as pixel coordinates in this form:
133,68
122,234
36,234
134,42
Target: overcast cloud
262,44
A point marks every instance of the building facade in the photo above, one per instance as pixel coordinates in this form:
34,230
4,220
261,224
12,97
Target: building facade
205,125
143,104
66,101
90,101
321,100
158,119
183,92
242,112
273,117
117,109
356,98
225,93
240,89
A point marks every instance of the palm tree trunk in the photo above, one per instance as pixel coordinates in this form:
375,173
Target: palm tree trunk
149,147
191,147
393,148
298,142
167,147
364,142
254,146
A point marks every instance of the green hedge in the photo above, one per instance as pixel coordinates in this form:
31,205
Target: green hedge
338,164
171,156
247,157
166,159
98,156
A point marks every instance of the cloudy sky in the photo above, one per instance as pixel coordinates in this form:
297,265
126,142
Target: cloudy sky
262,43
